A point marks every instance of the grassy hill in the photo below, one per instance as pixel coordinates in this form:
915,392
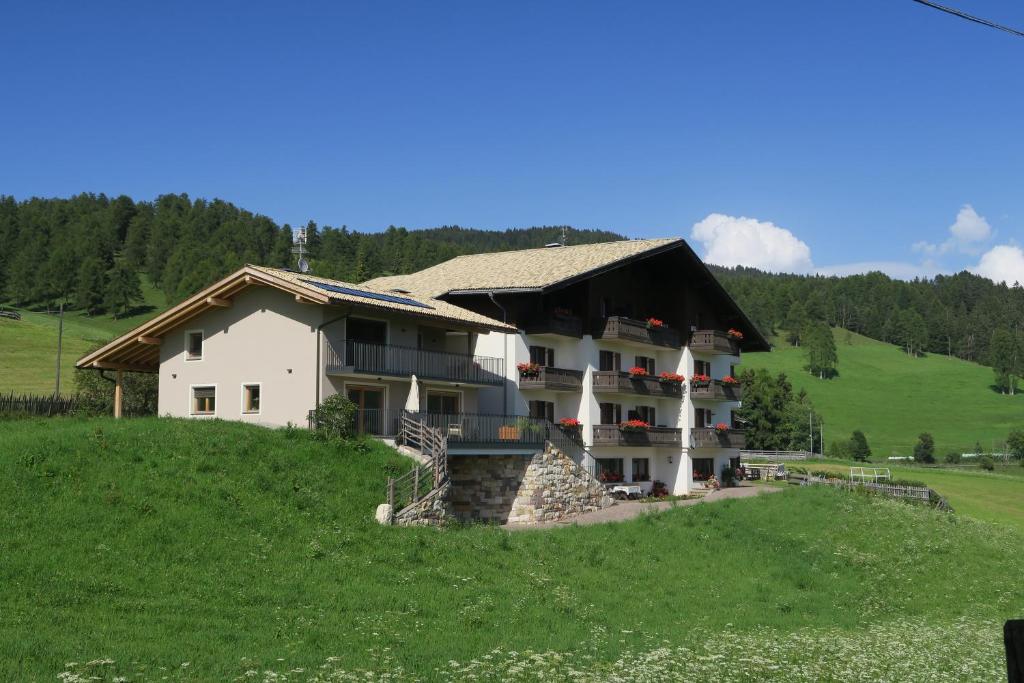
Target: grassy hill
159,549
28,348
892,397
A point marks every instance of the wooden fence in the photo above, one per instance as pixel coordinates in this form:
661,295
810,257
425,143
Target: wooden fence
26,404
775,456
914,493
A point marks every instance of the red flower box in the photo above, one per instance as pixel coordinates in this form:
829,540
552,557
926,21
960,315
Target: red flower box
699,381
633,426
570,422
729,379
671,377
528,369
655,324
721,428
735,334
637,371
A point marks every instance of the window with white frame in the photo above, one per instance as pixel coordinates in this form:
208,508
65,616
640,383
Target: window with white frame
194,345
250,399
204,400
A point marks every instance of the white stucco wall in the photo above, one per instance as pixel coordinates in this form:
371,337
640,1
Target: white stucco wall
264,337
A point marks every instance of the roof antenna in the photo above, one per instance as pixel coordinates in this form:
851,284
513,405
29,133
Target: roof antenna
300,250
564,237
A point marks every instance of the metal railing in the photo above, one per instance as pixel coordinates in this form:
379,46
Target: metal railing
372,421
627,329
554,379
613,435
403,361
466,430
622,383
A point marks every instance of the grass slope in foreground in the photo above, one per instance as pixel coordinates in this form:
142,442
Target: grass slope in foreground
157,542
892,397
28,348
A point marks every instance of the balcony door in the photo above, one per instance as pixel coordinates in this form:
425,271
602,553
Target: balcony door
444,402
370,416
365,345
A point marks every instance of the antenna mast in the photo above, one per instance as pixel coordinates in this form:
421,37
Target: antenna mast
300,250
564,236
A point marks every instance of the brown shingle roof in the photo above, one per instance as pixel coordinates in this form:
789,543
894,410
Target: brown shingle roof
526,269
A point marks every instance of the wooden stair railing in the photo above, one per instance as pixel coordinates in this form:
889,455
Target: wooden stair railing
426,476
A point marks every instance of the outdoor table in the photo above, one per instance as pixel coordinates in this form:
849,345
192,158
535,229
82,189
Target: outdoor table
628,490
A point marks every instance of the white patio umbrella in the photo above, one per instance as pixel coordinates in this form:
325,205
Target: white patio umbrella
412,403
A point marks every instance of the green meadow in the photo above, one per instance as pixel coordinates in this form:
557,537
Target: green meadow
159,549
892,397
28,348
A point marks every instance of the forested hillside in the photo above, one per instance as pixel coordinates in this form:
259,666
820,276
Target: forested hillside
963,315
88,251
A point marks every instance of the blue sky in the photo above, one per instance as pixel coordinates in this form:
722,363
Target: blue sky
845,132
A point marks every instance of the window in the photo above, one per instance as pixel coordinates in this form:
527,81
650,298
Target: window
645,362
701,418
645,413
609,360
609,469
702,367
641,469
251,398
732,370
372,331
544,410
194,345
703,468
443,402
611,413
204,400
543,356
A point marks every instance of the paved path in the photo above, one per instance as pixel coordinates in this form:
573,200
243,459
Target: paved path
629,509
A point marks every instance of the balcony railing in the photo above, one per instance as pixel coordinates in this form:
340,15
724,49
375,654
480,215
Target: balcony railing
612,435
555,323
403,361
467,430
624,329
708,437
552,379
713,341
613,381
716,390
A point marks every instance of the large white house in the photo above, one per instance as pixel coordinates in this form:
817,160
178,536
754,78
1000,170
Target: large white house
635,340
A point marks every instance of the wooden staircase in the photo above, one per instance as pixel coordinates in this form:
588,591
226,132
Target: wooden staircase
427,477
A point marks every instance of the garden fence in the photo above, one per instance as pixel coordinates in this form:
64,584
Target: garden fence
775,456
918,493
27,404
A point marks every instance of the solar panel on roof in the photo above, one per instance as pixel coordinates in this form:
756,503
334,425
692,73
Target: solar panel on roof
367,295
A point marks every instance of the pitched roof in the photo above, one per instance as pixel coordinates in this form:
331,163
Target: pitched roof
139,349
528,269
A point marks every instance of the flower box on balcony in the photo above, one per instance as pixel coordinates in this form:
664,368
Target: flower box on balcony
570,423
508,433
671,378
655,324
700,381
735,334
731,381
528,370
634,426
721,428
637,372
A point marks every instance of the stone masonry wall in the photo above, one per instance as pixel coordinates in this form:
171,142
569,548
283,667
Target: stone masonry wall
522,489
432,510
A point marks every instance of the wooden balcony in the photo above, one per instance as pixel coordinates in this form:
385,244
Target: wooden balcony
555,323
619,328
615,382
365,358
717,390
707,437
611,435
552,379
713,342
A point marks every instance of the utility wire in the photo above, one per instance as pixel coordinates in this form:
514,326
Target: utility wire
969,17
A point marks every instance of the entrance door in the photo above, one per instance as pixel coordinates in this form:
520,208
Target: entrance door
443,402
370,417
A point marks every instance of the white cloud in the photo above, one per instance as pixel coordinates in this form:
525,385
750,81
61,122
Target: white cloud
732,241
965,235
1003,263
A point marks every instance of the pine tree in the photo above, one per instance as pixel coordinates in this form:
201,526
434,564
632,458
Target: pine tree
924,449
122,288
1003,357
91,285
859,448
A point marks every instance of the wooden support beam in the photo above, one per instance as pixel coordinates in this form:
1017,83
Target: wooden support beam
303,300
215,301
127,367
154,341
117,393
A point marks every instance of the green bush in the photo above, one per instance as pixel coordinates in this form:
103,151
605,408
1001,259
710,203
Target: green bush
986,462
841,450
953,458
335,418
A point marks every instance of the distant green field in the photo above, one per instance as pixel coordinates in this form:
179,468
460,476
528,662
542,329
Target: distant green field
992,496
157,549
28,348
892,397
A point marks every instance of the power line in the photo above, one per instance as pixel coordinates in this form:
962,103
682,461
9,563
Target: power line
969,17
